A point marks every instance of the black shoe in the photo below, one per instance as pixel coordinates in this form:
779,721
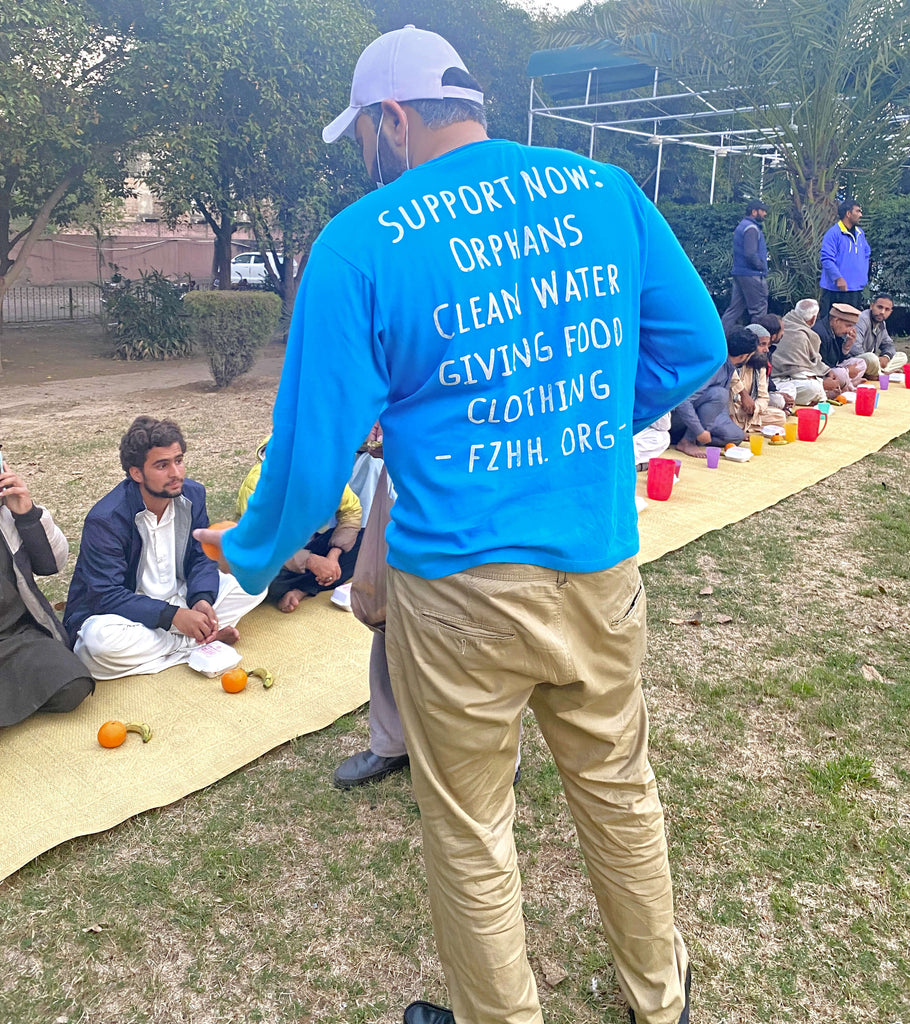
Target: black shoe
428,1013
684,1016
365,766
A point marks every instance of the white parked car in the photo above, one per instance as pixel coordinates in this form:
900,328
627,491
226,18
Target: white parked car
250,267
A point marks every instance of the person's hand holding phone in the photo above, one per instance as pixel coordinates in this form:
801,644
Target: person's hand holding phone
14,492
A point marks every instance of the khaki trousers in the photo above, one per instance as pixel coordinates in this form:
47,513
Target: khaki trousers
466,653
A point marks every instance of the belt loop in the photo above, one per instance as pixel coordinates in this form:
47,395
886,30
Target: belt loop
562,578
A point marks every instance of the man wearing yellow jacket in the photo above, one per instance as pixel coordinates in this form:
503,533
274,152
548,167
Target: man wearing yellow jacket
326,560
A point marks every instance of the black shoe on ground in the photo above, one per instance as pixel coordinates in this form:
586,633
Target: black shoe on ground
428,1013
684,1016
365,766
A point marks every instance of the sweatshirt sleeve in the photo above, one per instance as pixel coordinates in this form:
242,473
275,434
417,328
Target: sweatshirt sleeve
315,429
681,339
42,540
829,253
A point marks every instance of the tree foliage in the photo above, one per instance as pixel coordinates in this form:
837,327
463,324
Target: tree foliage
494,39
824,81
243,93
67,116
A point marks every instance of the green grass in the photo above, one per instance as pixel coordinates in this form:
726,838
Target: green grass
784,766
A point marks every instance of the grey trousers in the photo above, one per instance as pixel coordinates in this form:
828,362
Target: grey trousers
386,735
749,295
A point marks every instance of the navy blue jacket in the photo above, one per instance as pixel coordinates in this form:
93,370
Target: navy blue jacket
750,251
104,581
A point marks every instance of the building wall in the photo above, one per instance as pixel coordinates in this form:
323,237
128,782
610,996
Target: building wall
77,258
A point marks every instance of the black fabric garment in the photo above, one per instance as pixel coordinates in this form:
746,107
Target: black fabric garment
319,544
831,349
37,671
828,298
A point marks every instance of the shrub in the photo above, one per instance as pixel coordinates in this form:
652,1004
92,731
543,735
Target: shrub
145,318
232,327
706,234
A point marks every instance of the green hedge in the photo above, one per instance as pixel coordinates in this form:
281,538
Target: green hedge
232,327
887,227
706,233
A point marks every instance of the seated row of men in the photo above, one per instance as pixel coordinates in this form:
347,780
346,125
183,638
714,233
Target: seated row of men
773,365
144,595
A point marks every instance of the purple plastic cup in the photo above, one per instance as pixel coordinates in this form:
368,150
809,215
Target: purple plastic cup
713,455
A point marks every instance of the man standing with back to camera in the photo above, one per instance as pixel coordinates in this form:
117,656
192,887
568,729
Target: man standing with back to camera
514,314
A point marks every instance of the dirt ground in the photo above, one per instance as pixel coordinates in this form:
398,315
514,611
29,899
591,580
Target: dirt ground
43,363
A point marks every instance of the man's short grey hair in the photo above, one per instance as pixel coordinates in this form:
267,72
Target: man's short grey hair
438,113
806,310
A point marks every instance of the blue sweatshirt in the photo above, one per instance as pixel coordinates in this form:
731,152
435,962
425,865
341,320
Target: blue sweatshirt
844,254
515,314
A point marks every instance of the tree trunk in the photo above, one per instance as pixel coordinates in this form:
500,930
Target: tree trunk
223,227
223,252
31,236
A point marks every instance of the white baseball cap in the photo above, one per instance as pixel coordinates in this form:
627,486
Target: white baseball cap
407,64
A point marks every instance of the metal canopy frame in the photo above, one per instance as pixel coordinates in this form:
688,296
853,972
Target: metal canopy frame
567,85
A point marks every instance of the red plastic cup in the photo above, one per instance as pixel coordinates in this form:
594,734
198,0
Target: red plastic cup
865,401
660,478
907,375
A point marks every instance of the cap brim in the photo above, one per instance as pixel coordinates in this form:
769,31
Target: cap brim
342,125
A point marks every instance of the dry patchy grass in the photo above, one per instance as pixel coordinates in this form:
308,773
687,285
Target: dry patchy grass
785,774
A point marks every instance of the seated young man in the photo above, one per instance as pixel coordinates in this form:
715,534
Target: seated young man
144,594
38,671
704,417
328,558
873,342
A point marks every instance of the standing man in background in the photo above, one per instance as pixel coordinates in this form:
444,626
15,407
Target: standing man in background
750,268
845,257
514,314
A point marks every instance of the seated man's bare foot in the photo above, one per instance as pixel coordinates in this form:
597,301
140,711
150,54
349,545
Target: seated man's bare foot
290,600
690,448
228,635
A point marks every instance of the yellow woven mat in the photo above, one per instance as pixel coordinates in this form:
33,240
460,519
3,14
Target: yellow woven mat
56,782
708,499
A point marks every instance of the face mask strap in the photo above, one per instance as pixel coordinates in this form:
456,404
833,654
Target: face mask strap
378,147
407,149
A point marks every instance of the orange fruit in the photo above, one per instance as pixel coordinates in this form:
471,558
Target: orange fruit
210,549
234,680
112,734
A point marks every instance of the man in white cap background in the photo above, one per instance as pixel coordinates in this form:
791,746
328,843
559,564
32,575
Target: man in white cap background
512,314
